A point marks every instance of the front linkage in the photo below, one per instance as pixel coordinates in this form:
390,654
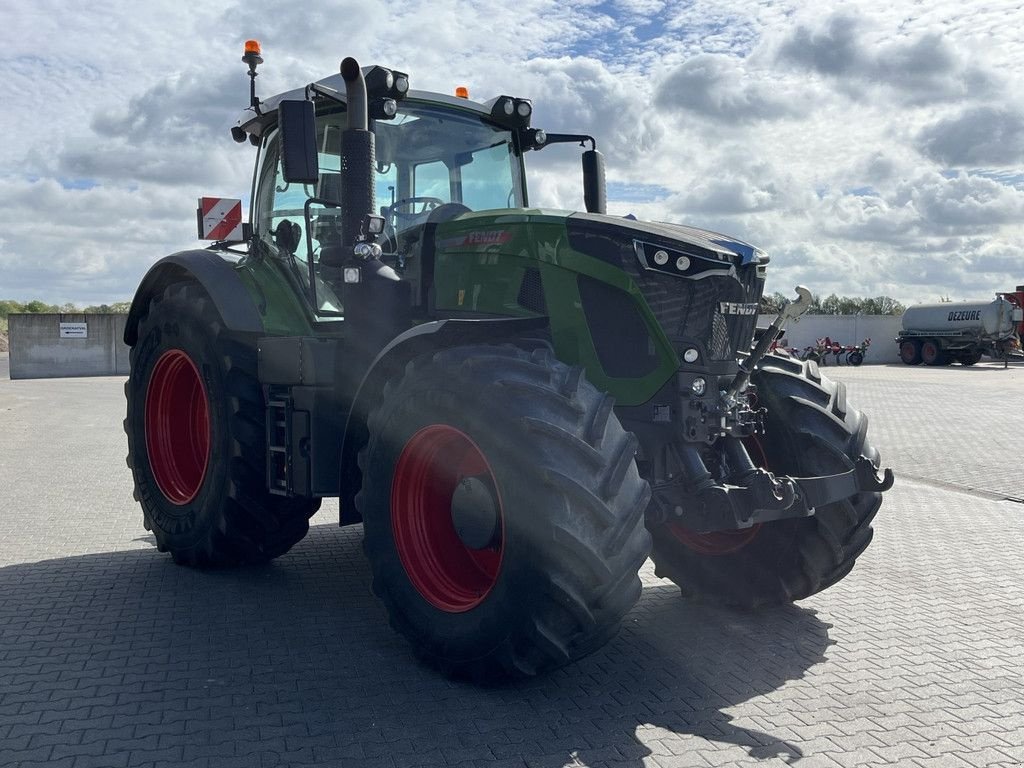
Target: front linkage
748,495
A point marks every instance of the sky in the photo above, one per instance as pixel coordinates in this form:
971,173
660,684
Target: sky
869,148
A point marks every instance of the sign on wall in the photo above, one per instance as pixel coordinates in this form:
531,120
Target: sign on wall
74,330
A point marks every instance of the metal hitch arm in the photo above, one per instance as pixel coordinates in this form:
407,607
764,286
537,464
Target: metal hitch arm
712,506
819,491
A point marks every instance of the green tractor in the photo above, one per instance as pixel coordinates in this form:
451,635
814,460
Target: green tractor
519,405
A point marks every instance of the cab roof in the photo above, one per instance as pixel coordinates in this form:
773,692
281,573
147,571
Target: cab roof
256,123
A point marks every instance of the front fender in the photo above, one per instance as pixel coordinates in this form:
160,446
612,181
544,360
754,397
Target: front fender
216,272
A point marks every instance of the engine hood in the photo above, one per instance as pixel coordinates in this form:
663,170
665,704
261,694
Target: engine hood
727,247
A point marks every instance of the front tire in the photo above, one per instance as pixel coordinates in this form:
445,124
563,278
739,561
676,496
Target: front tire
196,440
810,430
503,512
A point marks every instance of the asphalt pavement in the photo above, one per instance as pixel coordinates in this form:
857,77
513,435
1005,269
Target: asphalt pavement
110,655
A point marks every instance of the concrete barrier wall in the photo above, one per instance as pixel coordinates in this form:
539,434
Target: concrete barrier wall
845,329
39,352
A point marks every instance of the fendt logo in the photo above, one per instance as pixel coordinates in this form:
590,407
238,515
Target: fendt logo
735,308
483,239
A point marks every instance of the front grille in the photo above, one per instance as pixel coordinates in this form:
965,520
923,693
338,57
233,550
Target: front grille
688,310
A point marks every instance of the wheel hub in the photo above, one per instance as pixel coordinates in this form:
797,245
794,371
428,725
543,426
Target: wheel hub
475,512
446,517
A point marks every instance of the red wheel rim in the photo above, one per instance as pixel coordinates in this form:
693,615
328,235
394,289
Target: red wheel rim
717,543
447,573
177,427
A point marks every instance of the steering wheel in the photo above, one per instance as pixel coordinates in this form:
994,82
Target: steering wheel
427,203
447,212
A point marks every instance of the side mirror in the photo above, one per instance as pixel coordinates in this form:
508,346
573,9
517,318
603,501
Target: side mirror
595,196
298,141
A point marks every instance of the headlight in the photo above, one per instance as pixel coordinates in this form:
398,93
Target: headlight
699,386
511,112
695,262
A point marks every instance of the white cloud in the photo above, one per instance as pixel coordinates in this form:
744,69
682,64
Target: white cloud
88,245
916,211
920,68
875,150
716,86
583,94
985,136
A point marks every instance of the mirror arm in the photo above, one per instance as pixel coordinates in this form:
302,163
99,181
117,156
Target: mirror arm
322,90
568,138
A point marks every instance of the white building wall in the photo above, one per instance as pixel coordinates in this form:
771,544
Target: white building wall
845,329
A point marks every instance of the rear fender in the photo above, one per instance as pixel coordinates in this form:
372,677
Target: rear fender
216,272
423,339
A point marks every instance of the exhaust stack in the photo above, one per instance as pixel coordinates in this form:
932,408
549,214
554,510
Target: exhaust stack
357,156
355,94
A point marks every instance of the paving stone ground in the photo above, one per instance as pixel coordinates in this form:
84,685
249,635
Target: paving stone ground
110,655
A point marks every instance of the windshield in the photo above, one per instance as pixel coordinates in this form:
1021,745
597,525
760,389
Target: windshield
452,157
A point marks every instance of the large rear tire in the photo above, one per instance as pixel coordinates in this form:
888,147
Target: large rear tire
503,511
196,438
810,430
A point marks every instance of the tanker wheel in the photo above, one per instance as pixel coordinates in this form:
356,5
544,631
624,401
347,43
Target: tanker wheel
910,352
971,357
196,439
503,511
931,353
809,430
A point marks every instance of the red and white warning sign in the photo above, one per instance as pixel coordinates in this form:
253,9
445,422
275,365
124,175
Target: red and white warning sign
220,218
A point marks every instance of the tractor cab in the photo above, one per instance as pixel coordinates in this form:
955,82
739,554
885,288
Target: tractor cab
333,155
434,161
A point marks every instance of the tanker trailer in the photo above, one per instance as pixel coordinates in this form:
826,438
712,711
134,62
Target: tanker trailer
939,334
1016,297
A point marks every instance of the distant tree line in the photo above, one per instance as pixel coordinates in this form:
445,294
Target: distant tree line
836,305
37,307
